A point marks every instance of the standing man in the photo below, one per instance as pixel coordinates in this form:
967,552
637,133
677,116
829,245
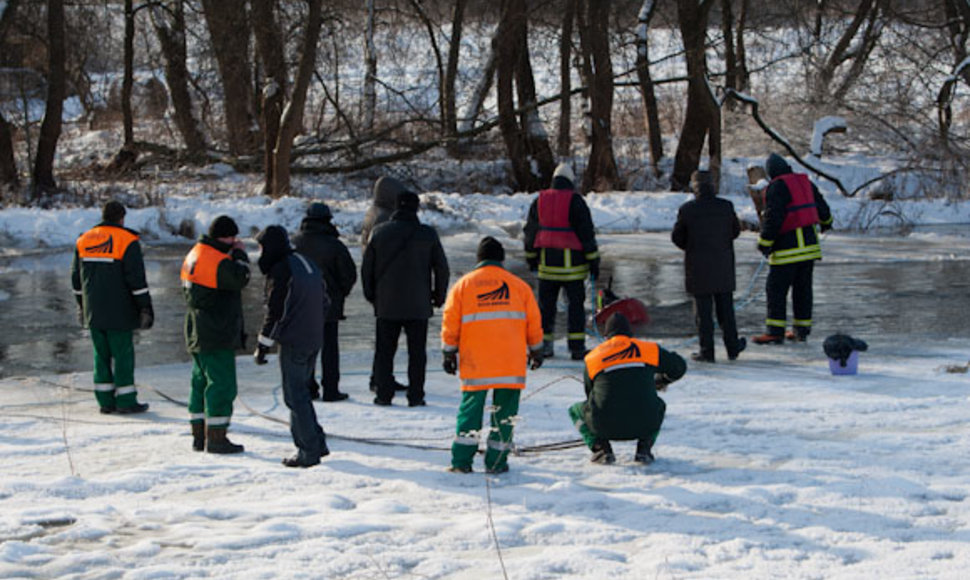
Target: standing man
404,273
561,244
622,377
108,277
319,241
492,327
296,303
793,214
213,275
706,228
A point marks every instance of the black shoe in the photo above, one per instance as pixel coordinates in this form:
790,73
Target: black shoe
314,389
739,348
132,410
462,469
109,410
702,357
381,402
603,453
399,387
497,470
373,387
335,397
295,461
644,453
420,403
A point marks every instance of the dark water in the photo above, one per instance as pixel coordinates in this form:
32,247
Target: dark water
916,298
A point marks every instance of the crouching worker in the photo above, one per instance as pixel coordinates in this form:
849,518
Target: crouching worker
621,379
296,302
490,330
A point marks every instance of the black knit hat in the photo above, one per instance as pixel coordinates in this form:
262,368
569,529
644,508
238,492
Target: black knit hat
776,165
223,227
113,212
408,200
490,249
319,210
618,324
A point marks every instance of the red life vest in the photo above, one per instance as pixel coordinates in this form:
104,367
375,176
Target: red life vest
801,210
554,228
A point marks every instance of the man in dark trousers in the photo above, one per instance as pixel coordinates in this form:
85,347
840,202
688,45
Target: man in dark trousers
793,214
622,376
404,274
108,277
296,304
561,244
213,275
705,229
319,241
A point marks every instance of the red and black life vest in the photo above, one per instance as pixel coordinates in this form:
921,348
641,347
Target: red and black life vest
801,210
554,228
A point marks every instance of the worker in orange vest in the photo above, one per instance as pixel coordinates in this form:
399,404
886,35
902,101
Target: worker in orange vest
491,330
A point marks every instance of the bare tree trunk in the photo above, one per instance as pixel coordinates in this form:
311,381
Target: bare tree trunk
8,165
370,70
743,75
844,49
293,112
647,92
700,117
169,22
128,80
730,58
564,142
601,172
483,87
50,129
449,109
536,138
229,32
269,45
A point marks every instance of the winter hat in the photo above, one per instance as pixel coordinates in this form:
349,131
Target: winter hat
701,183
223,227
562,177
408,200
319,210
776,165
113,212
490,249
274,244
618,324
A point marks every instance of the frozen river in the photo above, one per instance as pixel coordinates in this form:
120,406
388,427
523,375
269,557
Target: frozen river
876,288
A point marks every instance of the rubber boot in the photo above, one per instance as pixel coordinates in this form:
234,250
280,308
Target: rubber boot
603,453
644,453
217,442
198,436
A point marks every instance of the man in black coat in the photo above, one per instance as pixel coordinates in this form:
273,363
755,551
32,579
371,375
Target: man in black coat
319,240
706,228
404,273
296,303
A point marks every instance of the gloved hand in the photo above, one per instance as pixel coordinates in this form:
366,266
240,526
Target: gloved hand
449,362
533,264
765,250
535,358
260,355
594,268
146,318
437,302
825,227
661,380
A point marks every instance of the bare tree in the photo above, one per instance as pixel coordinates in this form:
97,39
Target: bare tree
370,69
853,47
957,13
228,25
269,46
8,165
645,81
449,107
50,129
601,173
564,141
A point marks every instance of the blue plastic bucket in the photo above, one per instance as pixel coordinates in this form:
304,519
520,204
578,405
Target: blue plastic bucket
851,365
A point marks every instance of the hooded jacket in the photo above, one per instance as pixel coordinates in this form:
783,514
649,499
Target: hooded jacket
705,229
386,190
318,240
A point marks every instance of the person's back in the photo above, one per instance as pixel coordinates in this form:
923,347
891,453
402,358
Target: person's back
386,190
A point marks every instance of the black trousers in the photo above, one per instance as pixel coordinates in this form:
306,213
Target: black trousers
388,332
705,307
798,278
330,359
575,315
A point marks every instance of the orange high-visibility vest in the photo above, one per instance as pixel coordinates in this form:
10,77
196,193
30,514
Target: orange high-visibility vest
201,266
491,319
104,244
620,352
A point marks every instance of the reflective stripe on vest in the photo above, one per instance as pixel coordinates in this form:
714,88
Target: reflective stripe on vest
104,244
801,210
201,266
554,228
622,352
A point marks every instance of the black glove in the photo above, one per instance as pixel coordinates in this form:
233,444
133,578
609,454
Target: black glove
535,358
594,268
146,318
449,362
260,355
825,227
438,302
661,381
533,264
765,250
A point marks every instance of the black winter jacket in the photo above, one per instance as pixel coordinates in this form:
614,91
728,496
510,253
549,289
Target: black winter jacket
706,228
319,240
404,270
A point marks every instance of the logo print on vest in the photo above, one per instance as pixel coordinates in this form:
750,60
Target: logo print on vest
500,293
105,247
630,352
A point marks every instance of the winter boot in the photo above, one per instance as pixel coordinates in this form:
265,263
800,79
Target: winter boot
738,348
314,389
799,335
198,436
644,452
768,338
547,350
703,356
603,453
217,442
132,409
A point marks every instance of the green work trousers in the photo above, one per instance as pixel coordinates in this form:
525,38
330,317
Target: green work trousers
114,368
505,406
213,387
577,414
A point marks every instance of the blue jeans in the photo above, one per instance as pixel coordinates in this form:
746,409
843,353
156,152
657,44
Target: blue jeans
296,366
